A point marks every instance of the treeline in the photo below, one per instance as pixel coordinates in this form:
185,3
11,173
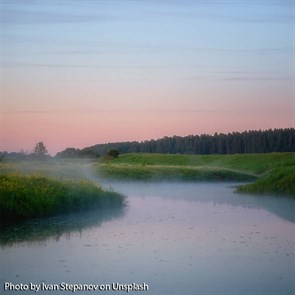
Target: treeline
266,141
39,153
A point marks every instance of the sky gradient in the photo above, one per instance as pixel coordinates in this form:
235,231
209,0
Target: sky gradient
77,73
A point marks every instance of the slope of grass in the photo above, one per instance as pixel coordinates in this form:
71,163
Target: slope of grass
24,197
275,172
279,181
165,172
252,163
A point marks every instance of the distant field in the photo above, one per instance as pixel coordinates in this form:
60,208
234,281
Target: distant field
274,173
252,163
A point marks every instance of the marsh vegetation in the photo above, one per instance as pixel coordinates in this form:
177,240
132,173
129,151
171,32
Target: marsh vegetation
24,197
43,188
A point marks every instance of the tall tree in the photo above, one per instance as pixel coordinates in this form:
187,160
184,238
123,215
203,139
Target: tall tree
40,150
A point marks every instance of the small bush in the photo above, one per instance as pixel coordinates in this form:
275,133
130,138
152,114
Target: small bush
113,153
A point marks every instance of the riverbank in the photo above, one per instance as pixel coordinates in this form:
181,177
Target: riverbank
31,196
278,181
272,173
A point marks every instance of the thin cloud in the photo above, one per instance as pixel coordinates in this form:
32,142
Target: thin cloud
234,78
21,17
89,111
252,11
161,49
228,75
144,67
253,79
282,18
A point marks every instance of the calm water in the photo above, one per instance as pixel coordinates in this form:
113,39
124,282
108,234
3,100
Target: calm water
179,238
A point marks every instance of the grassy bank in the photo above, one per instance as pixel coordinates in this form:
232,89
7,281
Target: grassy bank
279,181
274,173
185,173
250,163
269,173
24,197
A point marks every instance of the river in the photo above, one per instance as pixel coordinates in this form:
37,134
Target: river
172,238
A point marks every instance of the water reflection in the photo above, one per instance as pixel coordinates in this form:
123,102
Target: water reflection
215,193
204,192
180,238
56,227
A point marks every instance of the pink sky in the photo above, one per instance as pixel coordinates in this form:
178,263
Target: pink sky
78,76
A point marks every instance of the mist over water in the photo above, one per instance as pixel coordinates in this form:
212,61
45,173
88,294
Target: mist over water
179,238
61,169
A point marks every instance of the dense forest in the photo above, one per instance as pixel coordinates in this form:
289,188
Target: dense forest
267,141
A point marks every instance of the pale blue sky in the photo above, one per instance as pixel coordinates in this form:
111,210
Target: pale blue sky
184,67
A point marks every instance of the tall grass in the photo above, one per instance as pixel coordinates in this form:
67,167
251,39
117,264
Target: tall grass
23,197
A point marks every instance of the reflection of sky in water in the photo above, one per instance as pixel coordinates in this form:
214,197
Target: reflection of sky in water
56,227
178,238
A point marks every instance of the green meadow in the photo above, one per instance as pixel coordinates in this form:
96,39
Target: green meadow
272,173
